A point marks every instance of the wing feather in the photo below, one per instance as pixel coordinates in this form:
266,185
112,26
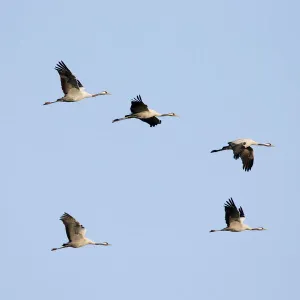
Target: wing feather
232,214
67,78
247,157
74,229
153,121
137,105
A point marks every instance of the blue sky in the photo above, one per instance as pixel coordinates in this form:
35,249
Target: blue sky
230,69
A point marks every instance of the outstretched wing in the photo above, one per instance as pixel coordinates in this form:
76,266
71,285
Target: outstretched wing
137,105
247,157
67,79
232,214
152,121
74,230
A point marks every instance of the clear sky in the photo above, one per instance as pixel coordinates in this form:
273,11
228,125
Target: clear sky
230,69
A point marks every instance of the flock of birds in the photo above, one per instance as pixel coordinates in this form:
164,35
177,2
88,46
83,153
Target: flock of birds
74,91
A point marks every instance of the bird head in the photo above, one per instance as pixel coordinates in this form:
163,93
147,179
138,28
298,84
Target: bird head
106,244
105,93
172,115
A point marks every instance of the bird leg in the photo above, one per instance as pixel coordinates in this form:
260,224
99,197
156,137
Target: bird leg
224,148
54,249
121,119
47,103
58,100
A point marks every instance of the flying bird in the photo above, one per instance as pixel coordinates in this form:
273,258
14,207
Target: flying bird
139,110
241,149
71,86
76,234
235,219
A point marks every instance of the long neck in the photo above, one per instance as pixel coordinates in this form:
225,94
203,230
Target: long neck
165,115
98,94
90,242
267,145
258,228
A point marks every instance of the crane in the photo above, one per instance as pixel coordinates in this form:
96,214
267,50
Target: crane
71,86
139,110
241,149
235,218
76,234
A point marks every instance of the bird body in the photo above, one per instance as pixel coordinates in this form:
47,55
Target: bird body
75,95
76,234
234,218
247,143
139,110
242,149
73,89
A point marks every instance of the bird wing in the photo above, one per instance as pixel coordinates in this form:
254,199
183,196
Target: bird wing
242,215
232,214
247,157
67,79
153,121
137,105
237,150
74,230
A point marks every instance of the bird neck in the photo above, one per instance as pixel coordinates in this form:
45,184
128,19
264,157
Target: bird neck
165,115
257,228
89,242
98,94
261,144
101,244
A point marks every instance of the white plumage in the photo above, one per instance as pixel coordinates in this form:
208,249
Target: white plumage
235,219
73,89
76,234
139,110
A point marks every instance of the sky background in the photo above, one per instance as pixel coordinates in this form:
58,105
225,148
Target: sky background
230,69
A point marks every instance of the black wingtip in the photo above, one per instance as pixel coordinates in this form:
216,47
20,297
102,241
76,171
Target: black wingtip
229,203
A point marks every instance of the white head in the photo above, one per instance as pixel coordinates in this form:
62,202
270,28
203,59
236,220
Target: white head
105,93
